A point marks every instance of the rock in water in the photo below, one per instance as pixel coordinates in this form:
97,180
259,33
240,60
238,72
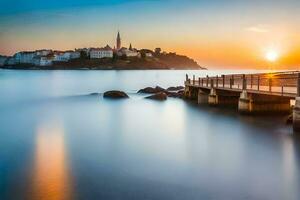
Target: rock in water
159,89
161,96
148,90
173,94
289,119
175,88
151,90
115,94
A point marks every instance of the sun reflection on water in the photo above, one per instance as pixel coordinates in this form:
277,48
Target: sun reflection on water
51,179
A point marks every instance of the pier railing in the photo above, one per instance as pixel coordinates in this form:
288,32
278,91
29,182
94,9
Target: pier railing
280,83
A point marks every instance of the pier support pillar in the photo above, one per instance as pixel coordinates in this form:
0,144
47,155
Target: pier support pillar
202,97
258,103
213,97
296,115
187,92
191,93
221,97
245,103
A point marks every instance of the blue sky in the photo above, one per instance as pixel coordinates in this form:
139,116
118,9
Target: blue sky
16,6
204,30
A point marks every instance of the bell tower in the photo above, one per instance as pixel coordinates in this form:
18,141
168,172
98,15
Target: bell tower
118,41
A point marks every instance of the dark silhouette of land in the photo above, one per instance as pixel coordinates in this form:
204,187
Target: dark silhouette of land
157,61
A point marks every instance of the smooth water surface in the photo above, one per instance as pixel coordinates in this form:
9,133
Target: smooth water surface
59,142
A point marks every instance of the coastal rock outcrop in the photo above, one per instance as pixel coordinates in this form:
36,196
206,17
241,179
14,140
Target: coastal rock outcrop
151,90
115,94
161,96
175,88
175,94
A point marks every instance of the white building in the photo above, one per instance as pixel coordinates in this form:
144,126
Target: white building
59,57
46,60
36,60
105,52
43,52
25,57
74,55
128,53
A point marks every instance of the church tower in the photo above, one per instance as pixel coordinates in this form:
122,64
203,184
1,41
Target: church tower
118,41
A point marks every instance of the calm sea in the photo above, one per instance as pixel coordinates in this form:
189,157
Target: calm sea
58,142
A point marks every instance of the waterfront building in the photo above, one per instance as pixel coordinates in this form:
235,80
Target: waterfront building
3,60
128,52
25,57
65,56
36,60
46,60
105,52
74,54
59,56
146,52
69,55
11,61
43,52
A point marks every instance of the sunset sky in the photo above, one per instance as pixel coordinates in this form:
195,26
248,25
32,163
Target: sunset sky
217,34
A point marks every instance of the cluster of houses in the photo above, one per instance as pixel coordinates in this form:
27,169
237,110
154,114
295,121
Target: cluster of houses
46,57
42,57
108,52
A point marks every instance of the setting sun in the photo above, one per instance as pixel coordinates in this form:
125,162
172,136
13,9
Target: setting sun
272,55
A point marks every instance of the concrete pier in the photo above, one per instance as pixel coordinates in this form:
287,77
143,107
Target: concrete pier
250,93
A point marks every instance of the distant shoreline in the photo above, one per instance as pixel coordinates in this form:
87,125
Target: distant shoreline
84,69
104,58
109,64
95,69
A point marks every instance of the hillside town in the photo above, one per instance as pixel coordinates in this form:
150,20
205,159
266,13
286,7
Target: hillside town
47,57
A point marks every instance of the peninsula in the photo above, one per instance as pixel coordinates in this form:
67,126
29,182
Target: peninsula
99,59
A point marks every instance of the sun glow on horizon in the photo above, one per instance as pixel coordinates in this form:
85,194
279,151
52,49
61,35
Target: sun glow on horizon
272,55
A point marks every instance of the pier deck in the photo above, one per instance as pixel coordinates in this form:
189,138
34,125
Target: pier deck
279,83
